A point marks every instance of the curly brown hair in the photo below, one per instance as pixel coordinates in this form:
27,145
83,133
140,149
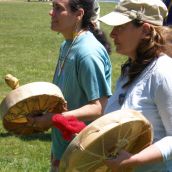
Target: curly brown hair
157,41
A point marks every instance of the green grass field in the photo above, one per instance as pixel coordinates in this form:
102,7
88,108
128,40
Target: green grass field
28,50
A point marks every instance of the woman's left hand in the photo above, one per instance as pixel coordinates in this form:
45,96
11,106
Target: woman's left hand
41,122
118,164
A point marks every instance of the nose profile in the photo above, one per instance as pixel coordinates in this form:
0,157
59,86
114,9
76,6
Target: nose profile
51,13
112,33
115,31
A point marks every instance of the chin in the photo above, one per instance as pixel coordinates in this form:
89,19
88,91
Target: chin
55,29
120,52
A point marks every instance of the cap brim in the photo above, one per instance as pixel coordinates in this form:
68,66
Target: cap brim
115,18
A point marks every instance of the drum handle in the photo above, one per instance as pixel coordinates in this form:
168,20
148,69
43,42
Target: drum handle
11,81
90,130
85,133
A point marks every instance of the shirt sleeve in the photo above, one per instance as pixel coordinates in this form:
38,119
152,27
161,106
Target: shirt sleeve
97,71
163,99
165,146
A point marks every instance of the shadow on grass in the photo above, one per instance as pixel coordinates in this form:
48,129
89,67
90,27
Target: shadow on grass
37,1
2,135
38,136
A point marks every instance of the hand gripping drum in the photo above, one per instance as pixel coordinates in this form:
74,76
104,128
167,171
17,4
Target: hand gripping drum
33,99
104,138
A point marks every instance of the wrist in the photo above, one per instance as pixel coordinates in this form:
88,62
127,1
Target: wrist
131,162
135,160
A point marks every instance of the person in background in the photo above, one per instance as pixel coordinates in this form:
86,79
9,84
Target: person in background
168,19
83,71
145,83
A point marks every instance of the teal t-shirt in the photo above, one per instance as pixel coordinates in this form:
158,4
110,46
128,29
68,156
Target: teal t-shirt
85,76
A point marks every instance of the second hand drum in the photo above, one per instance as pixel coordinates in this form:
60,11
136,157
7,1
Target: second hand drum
104,138
33,99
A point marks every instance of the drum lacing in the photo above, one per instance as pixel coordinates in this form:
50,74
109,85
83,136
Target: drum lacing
119,146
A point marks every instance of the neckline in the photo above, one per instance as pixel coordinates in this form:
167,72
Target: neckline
72,42
78,34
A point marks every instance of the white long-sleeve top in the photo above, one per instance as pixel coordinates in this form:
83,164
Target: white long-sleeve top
150,94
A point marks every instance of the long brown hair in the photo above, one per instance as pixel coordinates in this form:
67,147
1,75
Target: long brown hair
149,48
89,13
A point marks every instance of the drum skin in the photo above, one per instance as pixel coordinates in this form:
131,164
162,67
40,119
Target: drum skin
104,138
33,99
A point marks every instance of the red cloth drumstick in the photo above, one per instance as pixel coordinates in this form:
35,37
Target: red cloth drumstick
68,126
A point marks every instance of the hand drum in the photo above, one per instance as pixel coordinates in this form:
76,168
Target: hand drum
104,138
35,98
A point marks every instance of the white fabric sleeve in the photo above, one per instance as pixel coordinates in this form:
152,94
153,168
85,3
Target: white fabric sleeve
163,97
165,146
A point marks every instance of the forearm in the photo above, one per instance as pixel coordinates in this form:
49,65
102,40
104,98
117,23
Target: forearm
149,155
127,161
90,111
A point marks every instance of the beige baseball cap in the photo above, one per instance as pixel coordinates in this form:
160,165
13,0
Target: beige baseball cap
151,11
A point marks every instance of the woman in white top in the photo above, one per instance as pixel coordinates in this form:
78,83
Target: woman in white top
145,83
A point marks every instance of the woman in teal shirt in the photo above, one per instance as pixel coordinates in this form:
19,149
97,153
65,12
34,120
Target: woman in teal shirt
83,71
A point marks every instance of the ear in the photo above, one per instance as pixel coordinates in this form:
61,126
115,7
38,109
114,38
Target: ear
80,14
146,29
